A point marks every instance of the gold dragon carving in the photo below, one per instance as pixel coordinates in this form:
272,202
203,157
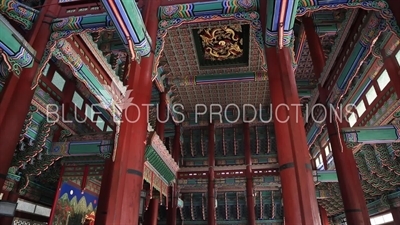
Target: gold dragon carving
222,43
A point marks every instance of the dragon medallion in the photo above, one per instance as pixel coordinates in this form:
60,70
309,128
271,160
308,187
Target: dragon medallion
222,43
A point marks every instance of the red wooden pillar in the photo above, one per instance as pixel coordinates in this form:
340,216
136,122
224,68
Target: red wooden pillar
324,216
127,178
298,188
68,94
6,94
162,116
346,168
16,101
172,210
211,175
393,69
104,195
396,215
151,217
323,154
249,178
56,196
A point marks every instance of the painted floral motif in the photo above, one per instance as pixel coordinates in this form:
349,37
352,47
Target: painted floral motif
246,3
170,10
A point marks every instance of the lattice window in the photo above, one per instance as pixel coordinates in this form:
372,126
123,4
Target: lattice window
383,80
371,95
58,81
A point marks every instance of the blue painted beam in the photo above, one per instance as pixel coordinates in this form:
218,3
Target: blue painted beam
216,7
275,11
358,54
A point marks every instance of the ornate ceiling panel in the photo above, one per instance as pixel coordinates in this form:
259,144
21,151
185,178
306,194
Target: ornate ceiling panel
181,52
305,68
249,92
186,48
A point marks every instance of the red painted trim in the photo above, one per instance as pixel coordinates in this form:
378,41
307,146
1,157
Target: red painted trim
92,59
48,83
53,207
228,174
354,31
379,101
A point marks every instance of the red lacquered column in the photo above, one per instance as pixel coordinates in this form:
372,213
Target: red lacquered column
152,212
211,175
162,116
298,187
17,99
172,210
249,178
346,168
127,178
104,195
324,216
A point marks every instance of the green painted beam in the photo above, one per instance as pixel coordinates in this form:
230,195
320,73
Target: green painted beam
274,12
371,135
328,176
19,12
20,53
81,22
82,148
206,8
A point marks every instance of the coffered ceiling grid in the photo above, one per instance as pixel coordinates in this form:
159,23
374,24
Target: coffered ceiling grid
180,53
305,68
238,93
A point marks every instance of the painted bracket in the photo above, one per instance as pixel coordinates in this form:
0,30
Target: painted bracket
129,23
14,48
19,12
82,148
328,176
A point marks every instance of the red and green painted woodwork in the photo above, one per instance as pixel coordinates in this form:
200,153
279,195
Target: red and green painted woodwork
378,168
376,23
378,205
19,12
275,10
39,131
102,148
229,148
83,73
32,190
81,22
232,207
11,180
128,20
246,17
360,52
198,9
304,86
371,135
18,53
382,7
84,145
225,178
102,144
109,45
